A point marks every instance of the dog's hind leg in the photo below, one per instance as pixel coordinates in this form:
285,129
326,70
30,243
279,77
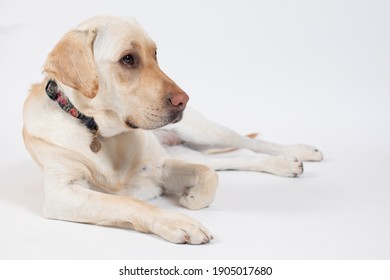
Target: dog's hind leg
199,133
277,165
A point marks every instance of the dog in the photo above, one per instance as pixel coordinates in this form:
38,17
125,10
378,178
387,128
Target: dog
108,128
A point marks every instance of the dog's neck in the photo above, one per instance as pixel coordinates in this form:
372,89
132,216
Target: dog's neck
57,95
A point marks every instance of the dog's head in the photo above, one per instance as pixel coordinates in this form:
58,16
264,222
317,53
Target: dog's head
113,62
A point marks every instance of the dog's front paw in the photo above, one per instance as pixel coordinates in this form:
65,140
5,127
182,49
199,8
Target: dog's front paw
303,152
202,194
179,228
284,166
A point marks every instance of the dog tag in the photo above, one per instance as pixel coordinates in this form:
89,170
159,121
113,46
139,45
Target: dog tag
95,145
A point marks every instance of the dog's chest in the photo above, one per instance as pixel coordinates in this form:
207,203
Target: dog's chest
131,166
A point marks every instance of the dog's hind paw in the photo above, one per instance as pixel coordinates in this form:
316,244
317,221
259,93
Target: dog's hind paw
284,166
303,152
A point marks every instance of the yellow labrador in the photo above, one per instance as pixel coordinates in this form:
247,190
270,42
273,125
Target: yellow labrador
94,126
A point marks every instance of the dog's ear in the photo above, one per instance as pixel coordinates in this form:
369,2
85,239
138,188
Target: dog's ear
71,62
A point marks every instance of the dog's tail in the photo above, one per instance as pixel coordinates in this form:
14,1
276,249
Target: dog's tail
227,150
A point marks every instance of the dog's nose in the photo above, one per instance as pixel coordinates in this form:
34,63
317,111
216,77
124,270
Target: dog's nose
178,99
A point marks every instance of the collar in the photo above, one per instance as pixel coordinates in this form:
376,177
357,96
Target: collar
57,95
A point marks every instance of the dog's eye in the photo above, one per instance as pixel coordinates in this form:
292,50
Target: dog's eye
129,60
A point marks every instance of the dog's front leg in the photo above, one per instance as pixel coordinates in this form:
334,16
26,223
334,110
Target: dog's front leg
197,183
68,198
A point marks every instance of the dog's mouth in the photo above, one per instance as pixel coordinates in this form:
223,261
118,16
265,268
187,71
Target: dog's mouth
178,118
130,124
154,122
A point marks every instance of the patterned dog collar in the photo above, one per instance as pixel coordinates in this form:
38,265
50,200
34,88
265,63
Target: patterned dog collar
57,95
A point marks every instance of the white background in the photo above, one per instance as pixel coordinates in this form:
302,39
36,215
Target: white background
316,72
